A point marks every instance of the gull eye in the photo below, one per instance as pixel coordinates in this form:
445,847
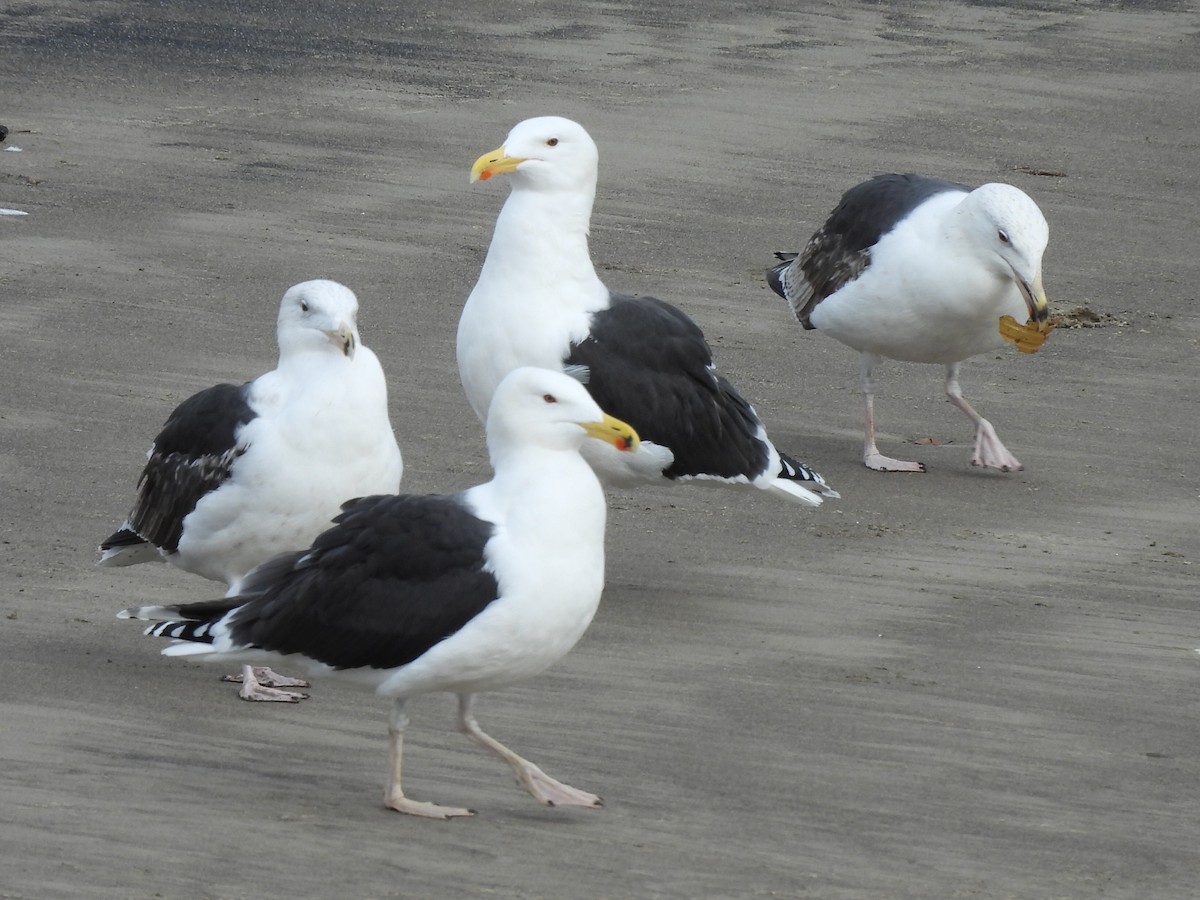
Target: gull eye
553,142
549,398
1003,235
303,306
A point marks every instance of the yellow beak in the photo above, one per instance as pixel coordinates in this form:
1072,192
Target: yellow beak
1035,297
613,431
495,163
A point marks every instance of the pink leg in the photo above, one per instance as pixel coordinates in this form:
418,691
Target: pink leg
543,788
988,451
872,458
393,797
256,685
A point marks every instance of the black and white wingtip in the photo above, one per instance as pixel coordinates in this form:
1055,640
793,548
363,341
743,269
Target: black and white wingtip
802,482
778,275
125,547
193,636
794,470
147,613
194,632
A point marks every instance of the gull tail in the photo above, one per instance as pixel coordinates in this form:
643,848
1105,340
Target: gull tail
801,482
193,632
195,625
776,274
794,491
125,547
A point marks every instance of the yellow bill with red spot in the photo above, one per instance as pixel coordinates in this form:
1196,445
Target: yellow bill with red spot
498,162
613,431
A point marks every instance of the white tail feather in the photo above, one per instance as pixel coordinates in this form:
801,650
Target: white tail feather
130,555
188,648
148,613
795,491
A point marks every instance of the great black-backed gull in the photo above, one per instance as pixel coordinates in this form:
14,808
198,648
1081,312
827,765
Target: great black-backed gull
924,270
462,593
539,302
241,473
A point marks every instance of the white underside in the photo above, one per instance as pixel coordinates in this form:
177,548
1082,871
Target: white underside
921,299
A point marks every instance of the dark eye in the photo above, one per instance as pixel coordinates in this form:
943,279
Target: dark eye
553,142
549,398
1003,235
303,306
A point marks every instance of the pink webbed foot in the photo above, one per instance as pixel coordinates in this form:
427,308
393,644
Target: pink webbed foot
401,804
552,792
259,684
881,463
990,453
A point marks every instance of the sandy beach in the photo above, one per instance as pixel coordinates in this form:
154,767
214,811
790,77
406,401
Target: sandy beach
961,684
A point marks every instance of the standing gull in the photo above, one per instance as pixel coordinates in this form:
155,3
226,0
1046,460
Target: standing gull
464,593
241,473
539,302
924,270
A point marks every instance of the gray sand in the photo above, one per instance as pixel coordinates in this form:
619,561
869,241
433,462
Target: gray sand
959,684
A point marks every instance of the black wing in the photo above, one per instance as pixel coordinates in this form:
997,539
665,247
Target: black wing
650,365
841,248
192,455
394,576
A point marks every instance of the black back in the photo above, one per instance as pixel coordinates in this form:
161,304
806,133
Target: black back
870,210
650,365
394,576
